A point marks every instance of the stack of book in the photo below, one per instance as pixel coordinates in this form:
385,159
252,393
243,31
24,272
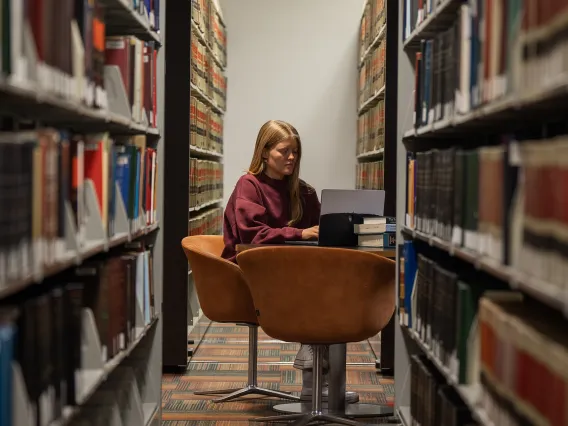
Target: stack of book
206,127
372,73
371,129
377,232
43,338
206,182
209,22
370,175
472,198
53,179
208,53
137,62
70,61
209,222
491,50
432,400
372,22
523,360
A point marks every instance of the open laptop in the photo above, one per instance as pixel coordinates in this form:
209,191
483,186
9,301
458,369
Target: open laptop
340,210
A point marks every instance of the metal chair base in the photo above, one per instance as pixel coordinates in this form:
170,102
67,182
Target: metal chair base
353,411
252,386
248,390
306,419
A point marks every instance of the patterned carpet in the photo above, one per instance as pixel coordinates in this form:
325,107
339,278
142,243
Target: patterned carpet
221,362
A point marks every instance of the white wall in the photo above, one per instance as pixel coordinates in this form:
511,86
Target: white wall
293,60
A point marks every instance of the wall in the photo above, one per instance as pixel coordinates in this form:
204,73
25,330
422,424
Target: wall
293,60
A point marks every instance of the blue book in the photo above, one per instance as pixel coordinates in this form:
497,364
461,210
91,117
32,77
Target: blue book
7,341
410,269
157,15
122,176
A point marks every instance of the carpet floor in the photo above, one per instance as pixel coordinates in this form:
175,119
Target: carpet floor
221,362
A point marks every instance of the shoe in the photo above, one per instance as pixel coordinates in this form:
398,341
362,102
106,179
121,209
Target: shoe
305,358
307,391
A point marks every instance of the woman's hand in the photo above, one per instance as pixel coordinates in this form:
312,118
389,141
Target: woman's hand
310,233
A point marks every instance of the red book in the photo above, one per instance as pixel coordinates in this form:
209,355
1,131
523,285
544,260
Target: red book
94,158
154,88
117,53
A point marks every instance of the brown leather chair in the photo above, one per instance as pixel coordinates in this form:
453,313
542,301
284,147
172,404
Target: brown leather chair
225,297
319,296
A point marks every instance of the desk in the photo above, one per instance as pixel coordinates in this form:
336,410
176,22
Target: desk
338,357
388,253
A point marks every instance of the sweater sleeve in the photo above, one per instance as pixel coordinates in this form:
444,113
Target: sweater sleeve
251,220
312,208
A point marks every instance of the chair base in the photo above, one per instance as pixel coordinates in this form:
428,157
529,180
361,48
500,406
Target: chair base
351,410
304,419
248,390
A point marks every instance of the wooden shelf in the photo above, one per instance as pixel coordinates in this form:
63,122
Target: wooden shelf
27,100
372,101
73,259
196,91
378,153
122,19
442,17
373,45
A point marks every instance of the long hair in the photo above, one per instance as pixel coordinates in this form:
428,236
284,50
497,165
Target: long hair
271,134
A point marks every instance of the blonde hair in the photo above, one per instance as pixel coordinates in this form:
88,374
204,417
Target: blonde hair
271,134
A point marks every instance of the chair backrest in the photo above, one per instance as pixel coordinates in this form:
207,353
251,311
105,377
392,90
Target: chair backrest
319,295
221,287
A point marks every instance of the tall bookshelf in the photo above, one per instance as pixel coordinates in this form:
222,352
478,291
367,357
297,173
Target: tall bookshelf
375,153
203,192
80,210
482,293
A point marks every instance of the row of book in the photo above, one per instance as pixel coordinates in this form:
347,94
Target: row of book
205,126
51,179
505,202
209,222
372,73
373,20
206,74
137,62
206,17
492,49
523,357
433,402
371,129
69,59
370,175
205,182
437,64
440,304
43,330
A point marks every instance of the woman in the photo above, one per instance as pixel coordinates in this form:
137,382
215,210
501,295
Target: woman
271,204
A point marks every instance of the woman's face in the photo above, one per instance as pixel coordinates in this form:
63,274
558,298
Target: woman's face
281,160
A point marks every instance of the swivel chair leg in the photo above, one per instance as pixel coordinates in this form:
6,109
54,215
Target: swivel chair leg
316,415
252,387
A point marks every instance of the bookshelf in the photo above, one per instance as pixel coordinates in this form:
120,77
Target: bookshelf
199,199
80,213
375,153
480,266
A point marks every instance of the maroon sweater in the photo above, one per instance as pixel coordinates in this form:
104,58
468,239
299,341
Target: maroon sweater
258,212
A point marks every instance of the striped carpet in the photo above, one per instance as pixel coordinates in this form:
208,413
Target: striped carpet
221,362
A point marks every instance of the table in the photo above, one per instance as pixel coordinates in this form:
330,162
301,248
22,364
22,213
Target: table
338,359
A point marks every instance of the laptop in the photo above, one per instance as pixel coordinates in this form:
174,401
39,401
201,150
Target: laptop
340,210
